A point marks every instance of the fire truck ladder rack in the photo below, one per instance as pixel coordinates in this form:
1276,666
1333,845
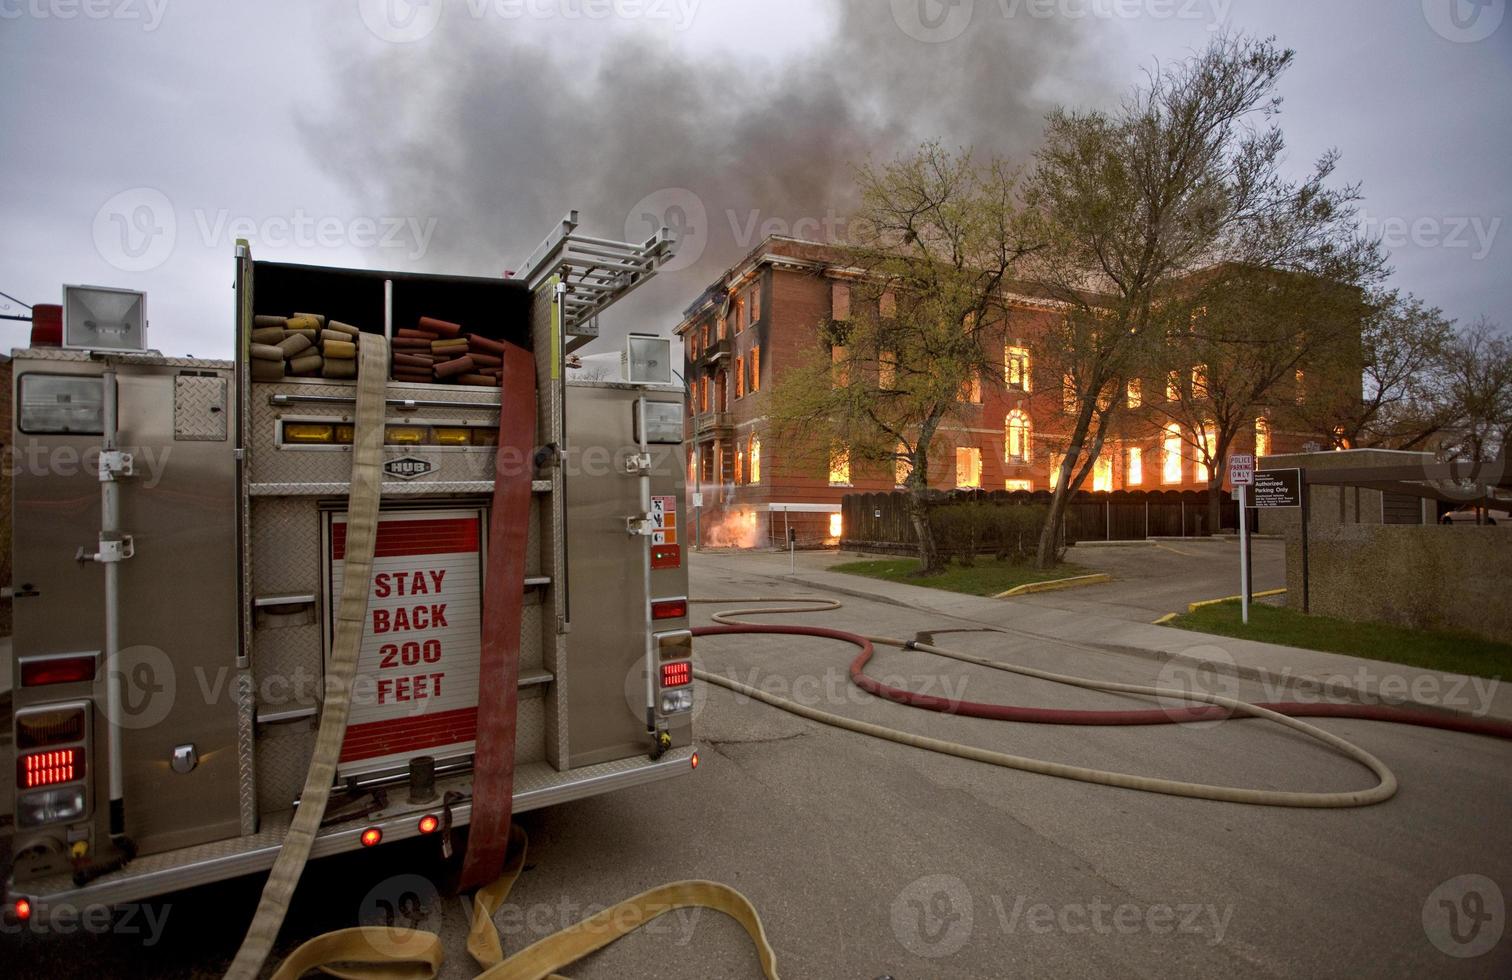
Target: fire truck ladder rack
595,273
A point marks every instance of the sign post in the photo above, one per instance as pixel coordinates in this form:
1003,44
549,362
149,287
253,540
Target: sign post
1242,475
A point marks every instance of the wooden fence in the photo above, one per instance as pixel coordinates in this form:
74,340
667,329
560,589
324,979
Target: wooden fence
879,521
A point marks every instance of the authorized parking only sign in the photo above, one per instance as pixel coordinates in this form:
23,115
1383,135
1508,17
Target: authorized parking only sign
1277,488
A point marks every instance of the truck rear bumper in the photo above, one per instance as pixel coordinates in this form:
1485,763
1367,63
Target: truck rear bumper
536,785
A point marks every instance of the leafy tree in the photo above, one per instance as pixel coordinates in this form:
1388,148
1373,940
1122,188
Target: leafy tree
1186,175
934,240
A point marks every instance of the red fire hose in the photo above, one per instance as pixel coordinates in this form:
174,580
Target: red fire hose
1066,716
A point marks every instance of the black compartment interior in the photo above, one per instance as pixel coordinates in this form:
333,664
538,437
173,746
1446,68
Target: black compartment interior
494,308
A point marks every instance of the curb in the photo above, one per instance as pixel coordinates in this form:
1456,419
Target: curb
1299,684
1194,606
1056,585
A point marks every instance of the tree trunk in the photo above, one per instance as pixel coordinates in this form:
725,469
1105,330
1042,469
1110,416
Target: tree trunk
918,512
1047,554
1216,474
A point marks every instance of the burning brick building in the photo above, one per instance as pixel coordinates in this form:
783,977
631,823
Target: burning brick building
764,315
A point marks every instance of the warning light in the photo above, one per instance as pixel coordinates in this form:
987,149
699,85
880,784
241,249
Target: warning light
23,909
676,674
669,608
694,760
429,823
665,556
57,670
47,768
371,836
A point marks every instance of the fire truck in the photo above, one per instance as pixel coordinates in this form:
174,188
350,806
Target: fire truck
180,528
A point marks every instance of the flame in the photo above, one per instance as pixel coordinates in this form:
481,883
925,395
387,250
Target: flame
738,527
837,525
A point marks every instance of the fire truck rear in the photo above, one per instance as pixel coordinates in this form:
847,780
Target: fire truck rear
179,544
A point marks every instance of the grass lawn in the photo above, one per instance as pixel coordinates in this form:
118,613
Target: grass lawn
986,577
1459,653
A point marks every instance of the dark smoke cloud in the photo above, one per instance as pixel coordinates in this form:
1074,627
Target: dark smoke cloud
497,138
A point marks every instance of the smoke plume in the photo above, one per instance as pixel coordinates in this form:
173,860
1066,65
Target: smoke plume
631,130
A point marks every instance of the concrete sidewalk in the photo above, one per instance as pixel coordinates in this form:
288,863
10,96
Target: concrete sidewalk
1286,673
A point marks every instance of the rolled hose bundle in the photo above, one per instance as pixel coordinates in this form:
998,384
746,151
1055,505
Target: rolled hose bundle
1217,707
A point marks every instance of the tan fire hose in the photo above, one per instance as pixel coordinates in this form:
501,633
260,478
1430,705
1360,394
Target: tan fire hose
351,613
1385,788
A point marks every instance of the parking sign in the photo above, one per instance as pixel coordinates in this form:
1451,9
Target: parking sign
1241,469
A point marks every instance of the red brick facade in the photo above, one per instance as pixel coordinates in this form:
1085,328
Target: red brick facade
773,303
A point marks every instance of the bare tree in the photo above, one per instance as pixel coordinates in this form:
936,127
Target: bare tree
935,239
1186,175
1478,386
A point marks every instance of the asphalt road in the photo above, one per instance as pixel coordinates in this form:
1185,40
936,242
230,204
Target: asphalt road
869,859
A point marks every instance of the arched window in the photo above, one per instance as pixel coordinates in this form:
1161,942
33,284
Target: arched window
1017,432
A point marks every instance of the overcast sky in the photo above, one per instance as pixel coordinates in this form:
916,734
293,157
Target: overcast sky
142,137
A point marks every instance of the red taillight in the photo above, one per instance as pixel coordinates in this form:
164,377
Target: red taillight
428,824
694,760
676,674
49,768
371,836
23,909
665,556
669,608
57,670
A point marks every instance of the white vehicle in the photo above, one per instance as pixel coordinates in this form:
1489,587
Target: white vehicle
176,594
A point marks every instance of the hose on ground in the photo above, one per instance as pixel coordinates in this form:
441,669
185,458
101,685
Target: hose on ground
1215,707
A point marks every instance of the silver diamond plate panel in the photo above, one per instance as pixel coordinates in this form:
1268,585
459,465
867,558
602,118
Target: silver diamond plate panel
283,759
149,357
200,409
285,546
246,750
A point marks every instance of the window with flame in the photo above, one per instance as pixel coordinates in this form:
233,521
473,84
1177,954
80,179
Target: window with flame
968,468
902,466
754,456
1011,485
740,377
1135,394
1069,399
754,365
1173,386
1102,475
839,468
1262,436
1016,368
1134,471
1018,431
703,394
1056,461
1170,450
